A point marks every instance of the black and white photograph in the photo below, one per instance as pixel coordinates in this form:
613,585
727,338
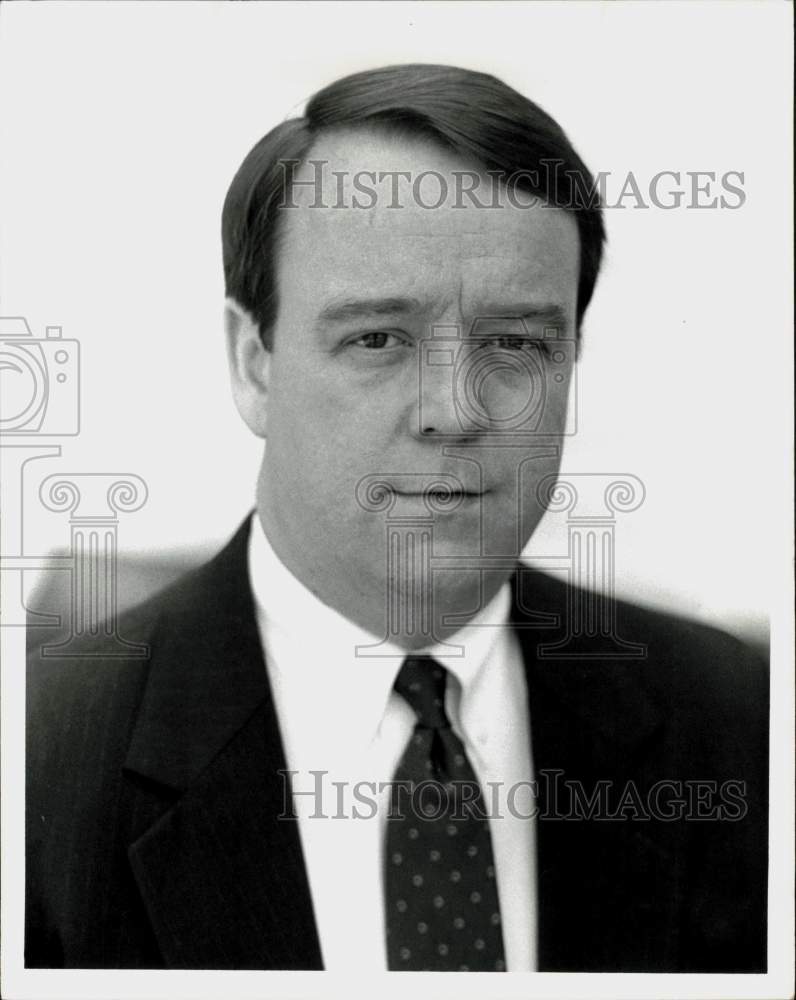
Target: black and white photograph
397,460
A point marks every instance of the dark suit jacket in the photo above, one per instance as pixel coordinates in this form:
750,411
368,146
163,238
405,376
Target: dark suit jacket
153,795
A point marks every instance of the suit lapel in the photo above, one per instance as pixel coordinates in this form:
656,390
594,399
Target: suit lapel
221,871
607,890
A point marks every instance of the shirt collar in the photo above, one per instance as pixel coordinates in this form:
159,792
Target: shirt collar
323,659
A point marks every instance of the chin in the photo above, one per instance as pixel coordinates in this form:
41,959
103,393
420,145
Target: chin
460,591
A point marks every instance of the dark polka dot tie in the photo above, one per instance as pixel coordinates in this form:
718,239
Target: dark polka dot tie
440,890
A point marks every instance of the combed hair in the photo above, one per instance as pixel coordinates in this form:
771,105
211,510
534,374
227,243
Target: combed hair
473,114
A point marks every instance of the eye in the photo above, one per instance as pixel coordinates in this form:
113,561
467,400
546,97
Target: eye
377,340
515,344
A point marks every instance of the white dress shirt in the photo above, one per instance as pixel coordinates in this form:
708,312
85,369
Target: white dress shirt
344,731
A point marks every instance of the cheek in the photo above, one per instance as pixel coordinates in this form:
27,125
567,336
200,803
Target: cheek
323,435
559,386
301,399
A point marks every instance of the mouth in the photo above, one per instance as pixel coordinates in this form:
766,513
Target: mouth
443,496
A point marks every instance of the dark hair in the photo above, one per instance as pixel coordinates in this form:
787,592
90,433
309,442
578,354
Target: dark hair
471,113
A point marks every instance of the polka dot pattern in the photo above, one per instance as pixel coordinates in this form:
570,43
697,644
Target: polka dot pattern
442,912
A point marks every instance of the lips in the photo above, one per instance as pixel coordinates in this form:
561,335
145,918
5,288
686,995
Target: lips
441,501
439,493
419,485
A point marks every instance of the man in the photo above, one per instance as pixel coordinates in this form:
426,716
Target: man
407,267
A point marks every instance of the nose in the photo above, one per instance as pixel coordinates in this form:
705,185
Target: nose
437,412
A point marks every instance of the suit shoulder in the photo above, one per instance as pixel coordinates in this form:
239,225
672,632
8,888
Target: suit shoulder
683,659
698,663
96,682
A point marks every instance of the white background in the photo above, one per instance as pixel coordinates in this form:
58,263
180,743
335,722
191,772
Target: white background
127,122
121,127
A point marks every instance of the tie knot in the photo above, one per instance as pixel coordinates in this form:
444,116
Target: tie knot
421,681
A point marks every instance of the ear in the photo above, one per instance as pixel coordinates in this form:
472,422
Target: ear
249,366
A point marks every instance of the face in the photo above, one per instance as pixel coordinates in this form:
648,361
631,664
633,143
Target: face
414,346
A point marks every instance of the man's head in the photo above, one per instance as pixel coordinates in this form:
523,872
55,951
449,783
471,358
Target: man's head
472,114
407,270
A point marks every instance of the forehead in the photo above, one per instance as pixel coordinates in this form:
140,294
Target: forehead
349,242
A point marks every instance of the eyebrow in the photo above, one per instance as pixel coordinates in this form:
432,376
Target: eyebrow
344,310
547,312
347,309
